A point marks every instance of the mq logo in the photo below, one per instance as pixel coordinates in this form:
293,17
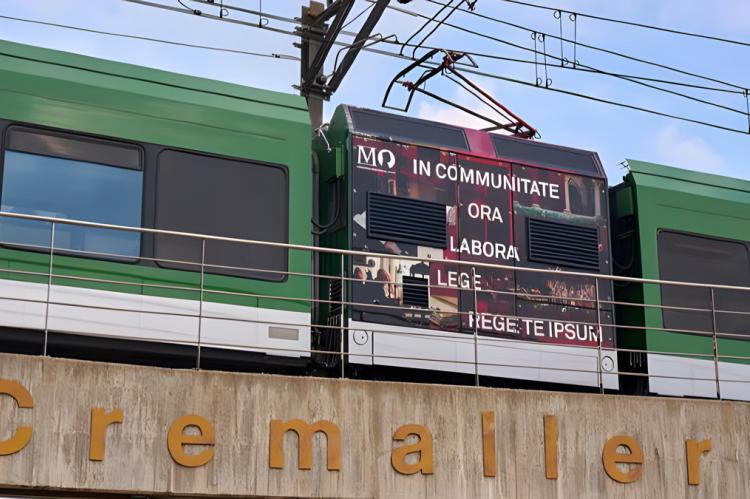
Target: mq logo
376,158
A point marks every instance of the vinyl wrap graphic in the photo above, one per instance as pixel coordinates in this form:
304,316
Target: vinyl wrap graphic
488,205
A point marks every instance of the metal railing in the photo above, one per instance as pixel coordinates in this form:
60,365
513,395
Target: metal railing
480,340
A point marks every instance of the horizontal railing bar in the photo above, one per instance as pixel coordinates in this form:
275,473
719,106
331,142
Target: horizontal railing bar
520,294
360,253
452,361
384,307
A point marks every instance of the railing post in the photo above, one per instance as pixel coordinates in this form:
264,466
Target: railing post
476,326
716,344
200,302
49,288
342,316
600,336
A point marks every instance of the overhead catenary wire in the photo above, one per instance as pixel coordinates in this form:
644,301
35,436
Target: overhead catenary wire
592,47
632,23
467,70
195,11
740,88
152,39
361,13
736,89
437,24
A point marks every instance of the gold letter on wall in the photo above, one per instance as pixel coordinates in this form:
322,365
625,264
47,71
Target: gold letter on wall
610,459
177,438
489,459
22,436
305,432
100,420
550,447
423,447
693,450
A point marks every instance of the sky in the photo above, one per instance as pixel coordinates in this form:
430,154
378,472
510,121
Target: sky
615,133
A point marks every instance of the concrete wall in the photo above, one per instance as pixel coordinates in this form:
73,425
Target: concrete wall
241,406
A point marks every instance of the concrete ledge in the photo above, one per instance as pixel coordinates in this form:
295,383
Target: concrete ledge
239,409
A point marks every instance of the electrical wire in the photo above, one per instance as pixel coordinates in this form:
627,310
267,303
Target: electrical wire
194,11
521,47
632,79
252,12
157,40
740,90
591,68
631,23
352,20
468,70
229,20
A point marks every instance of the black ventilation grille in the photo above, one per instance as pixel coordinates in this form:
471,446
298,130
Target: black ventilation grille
416,292
393,218
563,245
334,297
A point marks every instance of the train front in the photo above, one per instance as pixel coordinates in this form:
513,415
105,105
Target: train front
477,254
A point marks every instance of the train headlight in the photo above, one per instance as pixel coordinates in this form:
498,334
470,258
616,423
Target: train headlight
608,363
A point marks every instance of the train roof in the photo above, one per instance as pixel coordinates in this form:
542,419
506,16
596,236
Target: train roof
11,52
108,98
670,178
418,131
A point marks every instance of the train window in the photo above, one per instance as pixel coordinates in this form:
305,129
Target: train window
70,177
685,257
222,197
413,130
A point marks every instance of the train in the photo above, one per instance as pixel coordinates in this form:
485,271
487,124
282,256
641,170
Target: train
153,217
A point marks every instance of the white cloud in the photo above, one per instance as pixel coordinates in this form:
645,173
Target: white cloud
450,115
676,149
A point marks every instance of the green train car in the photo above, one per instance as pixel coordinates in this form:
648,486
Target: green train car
678,225
468,252
99,141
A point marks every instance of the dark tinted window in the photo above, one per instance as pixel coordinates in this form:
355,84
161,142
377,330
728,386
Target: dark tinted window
70,177
222,197
684,257
536,153
408,129
74,147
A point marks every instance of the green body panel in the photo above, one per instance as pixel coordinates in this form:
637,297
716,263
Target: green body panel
333,178
132,103
666,198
